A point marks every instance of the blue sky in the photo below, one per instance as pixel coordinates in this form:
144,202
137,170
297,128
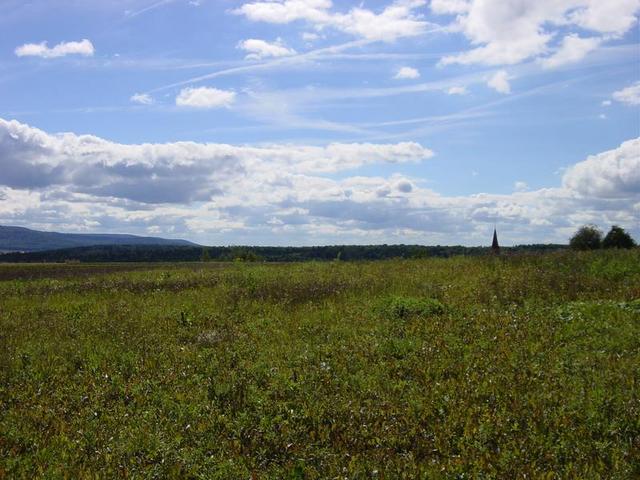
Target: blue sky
299,122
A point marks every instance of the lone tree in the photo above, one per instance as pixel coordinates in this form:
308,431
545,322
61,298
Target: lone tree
588,237
618,238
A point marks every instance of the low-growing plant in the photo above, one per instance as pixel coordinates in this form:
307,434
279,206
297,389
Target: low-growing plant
401,307
520,366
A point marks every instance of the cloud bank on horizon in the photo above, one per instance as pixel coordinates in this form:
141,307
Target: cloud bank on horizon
312,122
286,189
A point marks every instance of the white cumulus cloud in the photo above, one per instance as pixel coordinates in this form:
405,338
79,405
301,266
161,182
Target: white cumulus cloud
614,173
397,20
499,81
258,49
83,47
573,49
629,95
407,73
220,193
170,172
449,6
506,32
310,36
205,98
457,91
520,186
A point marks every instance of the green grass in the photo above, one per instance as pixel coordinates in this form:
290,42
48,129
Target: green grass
519,367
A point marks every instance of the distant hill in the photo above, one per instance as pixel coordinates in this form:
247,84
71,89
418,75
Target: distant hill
19,239
181,253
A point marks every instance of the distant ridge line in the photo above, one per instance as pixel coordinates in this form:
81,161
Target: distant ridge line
21,239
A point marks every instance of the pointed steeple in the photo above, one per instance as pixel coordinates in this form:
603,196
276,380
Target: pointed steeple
495,247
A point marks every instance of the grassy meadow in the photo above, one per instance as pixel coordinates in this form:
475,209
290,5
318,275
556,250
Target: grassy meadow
462,368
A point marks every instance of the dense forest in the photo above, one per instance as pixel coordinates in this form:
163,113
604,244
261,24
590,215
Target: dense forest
163,253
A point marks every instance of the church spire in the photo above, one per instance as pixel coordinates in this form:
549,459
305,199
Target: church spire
495,247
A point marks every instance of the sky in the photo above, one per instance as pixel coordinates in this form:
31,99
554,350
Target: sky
313,122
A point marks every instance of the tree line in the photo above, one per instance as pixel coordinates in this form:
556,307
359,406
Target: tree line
588,237
166,253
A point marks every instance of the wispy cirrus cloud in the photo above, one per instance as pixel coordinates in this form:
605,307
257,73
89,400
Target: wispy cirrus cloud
268,64
152,6
142,98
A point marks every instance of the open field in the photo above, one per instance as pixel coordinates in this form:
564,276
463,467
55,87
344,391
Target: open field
36,271
514,367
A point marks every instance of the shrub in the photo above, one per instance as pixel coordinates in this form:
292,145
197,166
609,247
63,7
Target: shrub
633,305
405,307
618,238
242,254
588,237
